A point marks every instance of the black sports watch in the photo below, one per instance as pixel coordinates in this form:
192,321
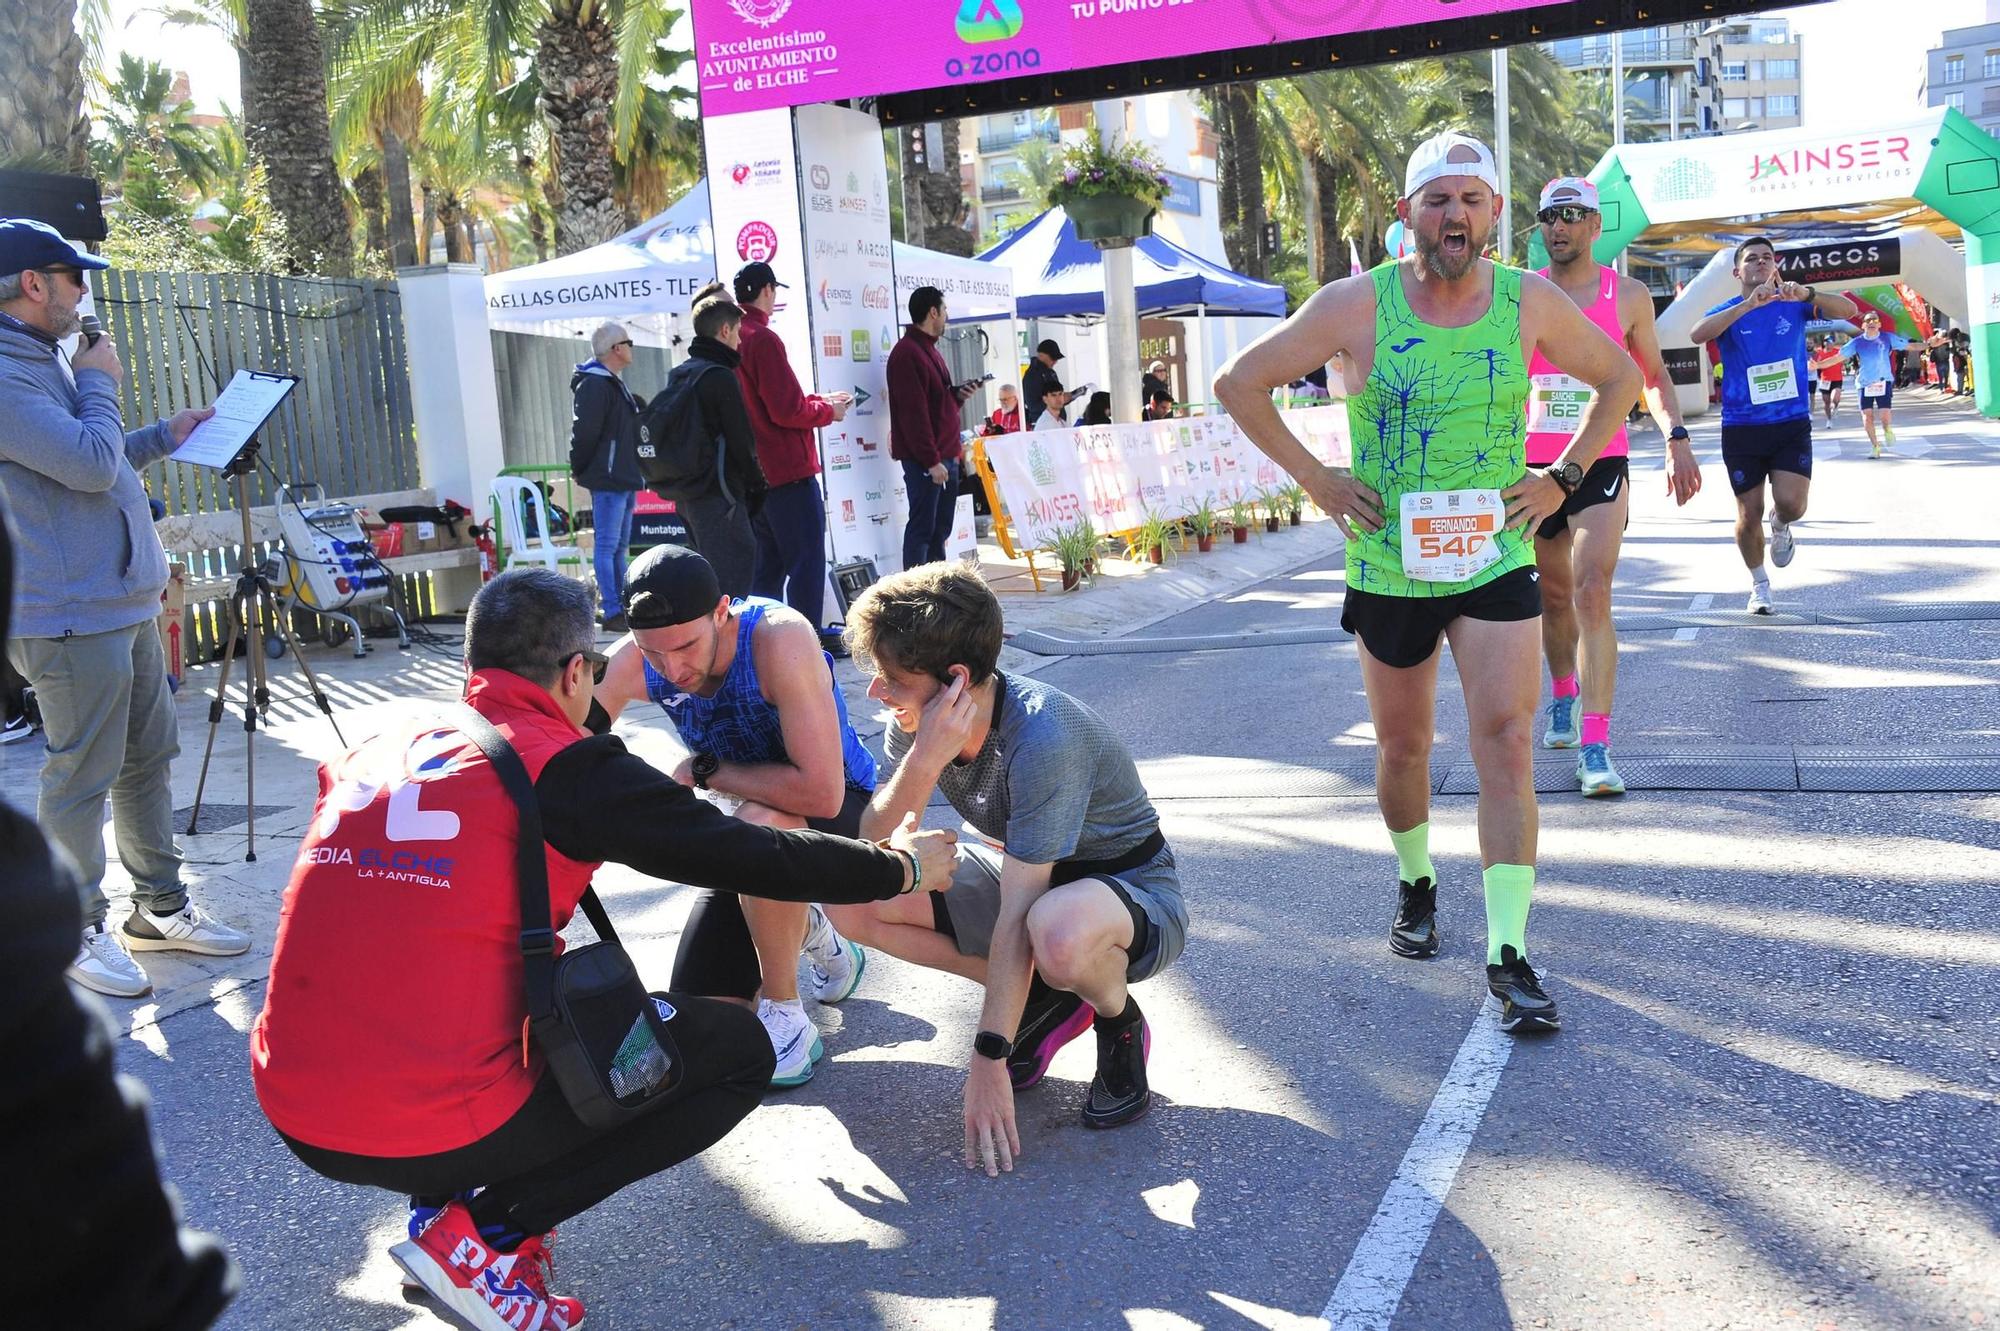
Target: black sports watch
988,1045
704,767
1566,474
1678,432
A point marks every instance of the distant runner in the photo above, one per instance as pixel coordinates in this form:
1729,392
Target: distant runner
1877,377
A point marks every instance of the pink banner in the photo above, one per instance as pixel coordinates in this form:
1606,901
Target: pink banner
755,54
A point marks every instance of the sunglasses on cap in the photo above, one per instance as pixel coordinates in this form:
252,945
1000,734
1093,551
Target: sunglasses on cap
1570,213
599,663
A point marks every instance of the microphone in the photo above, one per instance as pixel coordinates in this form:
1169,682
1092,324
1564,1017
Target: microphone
92,330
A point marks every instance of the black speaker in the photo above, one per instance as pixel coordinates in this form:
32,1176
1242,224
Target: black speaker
851,579
70,204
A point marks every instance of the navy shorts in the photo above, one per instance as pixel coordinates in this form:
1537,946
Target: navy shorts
1878,401
1750,453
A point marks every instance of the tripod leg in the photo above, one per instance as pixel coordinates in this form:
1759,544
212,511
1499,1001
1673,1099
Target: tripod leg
312,680
215,709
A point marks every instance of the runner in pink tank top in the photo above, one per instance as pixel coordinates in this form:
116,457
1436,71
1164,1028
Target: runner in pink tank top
1576,548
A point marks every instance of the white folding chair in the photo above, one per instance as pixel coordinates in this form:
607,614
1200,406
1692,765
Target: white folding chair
520,510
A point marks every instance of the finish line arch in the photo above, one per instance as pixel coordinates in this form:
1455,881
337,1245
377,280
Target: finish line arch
1940,159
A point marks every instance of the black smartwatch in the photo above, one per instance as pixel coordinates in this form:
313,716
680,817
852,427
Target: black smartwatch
1566,474
988,1045
1678,432
703,768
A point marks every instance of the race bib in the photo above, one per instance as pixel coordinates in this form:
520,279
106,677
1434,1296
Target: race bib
1556,403
1449,535
1775,382
1876,389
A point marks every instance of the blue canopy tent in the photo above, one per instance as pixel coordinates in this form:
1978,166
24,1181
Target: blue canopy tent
1057,276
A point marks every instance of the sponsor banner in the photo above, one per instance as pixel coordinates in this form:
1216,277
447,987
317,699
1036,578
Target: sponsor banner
1114,475
753,196
1683,364
1855,261
1778,170
973,290
964,539
850,291
757,54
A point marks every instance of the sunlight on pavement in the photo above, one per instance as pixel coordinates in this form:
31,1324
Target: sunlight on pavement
908,1312
796,1168
1173,1202
1271,1319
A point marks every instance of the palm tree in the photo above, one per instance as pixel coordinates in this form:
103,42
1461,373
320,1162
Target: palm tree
140,112
1239,174
286,123
41,86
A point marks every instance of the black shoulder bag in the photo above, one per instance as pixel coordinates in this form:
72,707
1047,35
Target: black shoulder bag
604,1037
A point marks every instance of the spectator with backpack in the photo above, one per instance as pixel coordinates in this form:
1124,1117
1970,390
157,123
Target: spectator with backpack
700,451
606,430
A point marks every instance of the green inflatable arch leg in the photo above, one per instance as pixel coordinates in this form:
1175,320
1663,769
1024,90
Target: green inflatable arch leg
1962,181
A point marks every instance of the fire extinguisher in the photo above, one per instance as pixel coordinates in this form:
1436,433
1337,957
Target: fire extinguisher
489,555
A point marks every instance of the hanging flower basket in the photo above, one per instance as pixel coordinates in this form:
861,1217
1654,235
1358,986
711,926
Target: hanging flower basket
1110,217
1110,193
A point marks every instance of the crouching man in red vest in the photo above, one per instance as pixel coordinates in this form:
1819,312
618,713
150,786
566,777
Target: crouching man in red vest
392,1048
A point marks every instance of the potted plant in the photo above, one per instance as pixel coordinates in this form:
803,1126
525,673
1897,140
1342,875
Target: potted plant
1294,497
1241,513
1066,544
1110,193
1150,540
1269,499
1203,519
1091,540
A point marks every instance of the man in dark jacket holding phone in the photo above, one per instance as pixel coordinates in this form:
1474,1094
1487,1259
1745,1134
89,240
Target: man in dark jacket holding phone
606,429
719,505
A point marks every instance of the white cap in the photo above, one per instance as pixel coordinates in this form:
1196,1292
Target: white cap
1568,192
1450,154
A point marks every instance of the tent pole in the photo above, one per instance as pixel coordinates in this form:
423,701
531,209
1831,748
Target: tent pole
1200,389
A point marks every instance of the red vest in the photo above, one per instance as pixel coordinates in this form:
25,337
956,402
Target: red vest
393,1022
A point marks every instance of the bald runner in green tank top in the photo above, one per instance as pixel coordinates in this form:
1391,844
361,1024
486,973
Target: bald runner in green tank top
1443,409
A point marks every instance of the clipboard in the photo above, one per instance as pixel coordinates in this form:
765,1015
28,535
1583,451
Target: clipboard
245,403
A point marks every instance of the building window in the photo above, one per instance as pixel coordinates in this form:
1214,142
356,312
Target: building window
1753,69
1989,68
1955,100
1733,71
1992,103
1779,35
1756,106
1786,104
1734,108
1954,69
1781,69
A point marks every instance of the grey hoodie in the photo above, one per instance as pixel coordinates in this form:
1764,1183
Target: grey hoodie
86,558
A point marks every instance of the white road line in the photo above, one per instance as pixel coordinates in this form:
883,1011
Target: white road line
1701,602
1372,1286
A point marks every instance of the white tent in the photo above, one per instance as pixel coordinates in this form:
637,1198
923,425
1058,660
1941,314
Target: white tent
644,278
974,290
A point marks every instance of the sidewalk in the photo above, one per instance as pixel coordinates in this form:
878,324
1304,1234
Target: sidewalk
1124,598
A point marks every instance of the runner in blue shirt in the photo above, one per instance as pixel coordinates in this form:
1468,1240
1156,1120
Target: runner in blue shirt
1766,411
1870,352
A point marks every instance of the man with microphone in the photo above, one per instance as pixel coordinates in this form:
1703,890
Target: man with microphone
91,574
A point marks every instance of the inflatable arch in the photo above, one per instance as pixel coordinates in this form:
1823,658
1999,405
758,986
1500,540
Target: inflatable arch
1940,159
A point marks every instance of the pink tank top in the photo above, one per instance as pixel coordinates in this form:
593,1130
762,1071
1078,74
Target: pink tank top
1556,401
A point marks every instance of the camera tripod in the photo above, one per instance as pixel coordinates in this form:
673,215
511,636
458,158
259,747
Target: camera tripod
252,596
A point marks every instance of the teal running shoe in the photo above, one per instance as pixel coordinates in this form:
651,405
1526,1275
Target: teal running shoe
1595,775
1563,721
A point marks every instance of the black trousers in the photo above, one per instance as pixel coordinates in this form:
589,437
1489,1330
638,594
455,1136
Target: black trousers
791,548
543,1166
933,508
720,533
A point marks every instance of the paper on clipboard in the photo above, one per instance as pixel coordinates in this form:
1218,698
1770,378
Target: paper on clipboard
241,409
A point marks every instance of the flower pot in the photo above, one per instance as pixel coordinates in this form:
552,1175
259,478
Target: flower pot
1090,568
1110,217
1157,554
1296,515
1271,523
1240,535
1070,579
1204,543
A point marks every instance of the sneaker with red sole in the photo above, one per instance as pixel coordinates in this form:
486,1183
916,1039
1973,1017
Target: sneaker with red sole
1046,1027
485,1288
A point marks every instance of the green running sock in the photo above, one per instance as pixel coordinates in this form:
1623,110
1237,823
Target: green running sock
1413,853
1508,887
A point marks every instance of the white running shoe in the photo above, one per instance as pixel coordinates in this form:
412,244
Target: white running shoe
1783,544
794,1039
103,967
1760,598
836,962
187,930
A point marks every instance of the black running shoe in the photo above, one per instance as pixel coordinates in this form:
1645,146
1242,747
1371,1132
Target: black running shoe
1524,1005
1052,1020
1119,1094
1414,932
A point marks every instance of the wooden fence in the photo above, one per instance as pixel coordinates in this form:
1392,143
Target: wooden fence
533,373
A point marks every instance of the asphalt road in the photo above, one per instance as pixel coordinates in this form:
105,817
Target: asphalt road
1775,1101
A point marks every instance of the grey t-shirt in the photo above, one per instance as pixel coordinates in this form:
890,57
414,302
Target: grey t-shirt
1052,782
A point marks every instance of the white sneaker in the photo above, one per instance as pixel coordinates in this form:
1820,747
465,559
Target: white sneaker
103,967
1783,544
836,962
1760,598
187,930
794,1039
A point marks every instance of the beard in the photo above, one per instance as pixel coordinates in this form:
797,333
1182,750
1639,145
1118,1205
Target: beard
1444,264
64,323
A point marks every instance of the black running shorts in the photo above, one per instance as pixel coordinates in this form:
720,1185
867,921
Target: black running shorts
1403,631
1752,452
1602,484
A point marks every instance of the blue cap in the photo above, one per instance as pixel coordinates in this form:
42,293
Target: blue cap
26,244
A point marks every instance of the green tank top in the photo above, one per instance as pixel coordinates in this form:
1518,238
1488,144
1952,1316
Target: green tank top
1443,409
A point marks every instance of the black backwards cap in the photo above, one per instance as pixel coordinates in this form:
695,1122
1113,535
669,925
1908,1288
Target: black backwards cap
669,585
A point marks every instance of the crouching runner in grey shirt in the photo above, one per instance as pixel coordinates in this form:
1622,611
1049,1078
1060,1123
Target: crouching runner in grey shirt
1077,896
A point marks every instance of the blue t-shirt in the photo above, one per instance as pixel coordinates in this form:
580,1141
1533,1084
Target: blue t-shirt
1756,351
1873,354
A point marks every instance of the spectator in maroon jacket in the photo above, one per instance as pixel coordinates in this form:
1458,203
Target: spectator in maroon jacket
791,527
924,428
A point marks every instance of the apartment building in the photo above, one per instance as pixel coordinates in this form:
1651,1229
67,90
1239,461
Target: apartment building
1963,71
1687,79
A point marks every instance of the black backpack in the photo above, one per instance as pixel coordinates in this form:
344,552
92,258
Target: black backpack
679,454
